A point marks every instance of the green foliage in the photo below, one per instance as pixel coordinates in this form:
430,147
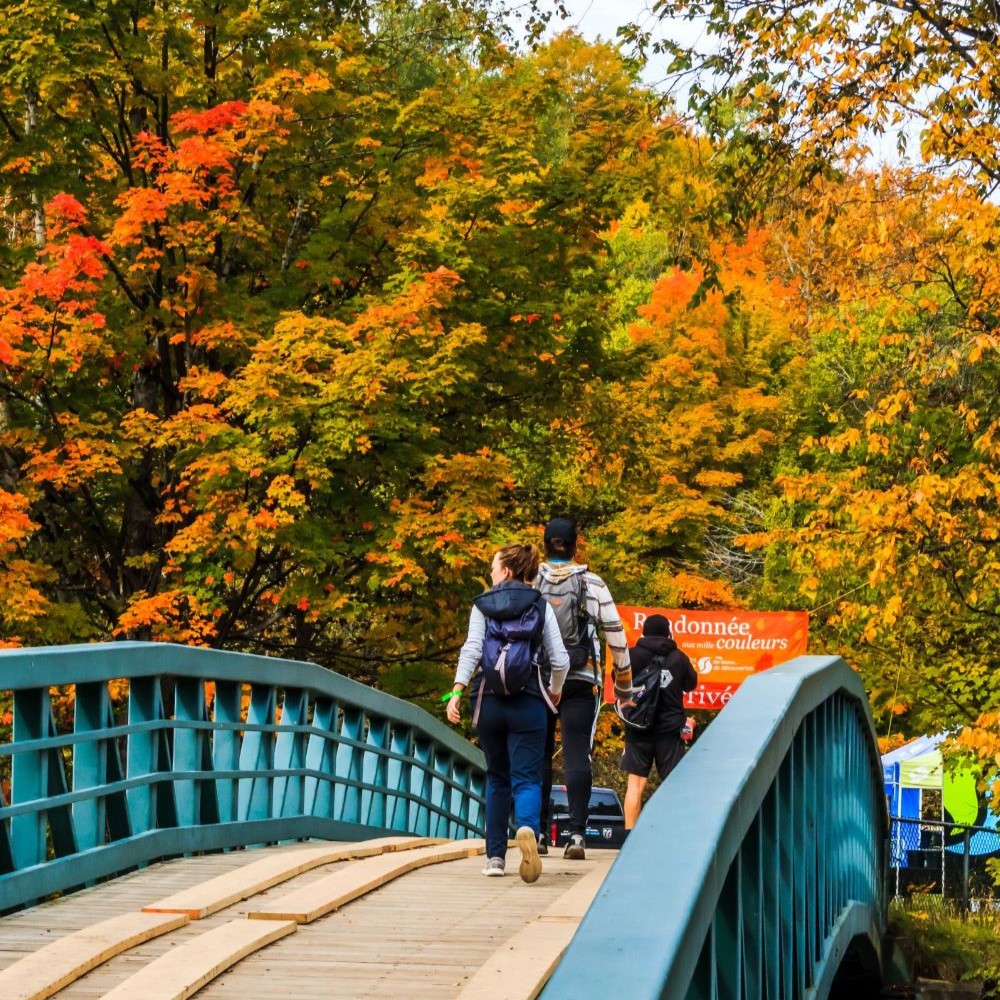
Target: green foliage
939,943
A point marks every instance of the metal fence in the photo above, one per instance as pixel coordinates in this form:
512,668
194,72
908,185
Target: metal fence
158,750
945,860
758,865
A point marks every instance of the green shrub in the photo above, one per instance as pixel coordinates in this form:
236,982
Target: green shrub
939,943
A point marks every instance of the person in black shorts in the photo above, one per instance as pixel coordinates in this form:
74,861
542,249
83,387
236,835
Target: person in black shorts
662,742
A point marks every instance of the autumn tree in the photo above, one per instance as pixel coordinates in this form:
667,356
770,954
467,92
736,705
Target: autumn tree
696,423
888,511
236,163
887,495
317,317
818,80
281,376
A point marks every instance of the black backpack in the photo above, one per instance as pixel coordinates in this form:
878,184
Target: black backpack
645,694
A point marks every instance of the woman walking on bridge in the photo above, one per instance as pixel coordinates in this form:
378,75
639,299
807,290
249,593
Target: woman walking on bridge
508,627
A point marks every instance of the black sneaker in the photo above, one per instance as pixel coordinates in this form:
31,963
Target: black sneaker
575,848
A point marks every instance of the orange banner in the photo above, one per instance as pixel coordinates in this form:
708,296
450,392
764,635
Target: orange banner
725,647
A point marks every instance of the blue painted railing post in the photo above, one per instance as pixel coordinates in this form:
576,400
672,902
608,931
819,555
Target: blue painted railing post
347,796
257,755
321,759
226,746
144,711
397,780
189,706
289,754
420,788
90,766
374,773
29,778
441,793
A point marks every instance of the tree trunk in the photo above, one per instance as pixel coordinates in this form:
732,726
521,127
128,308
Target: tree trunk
30,126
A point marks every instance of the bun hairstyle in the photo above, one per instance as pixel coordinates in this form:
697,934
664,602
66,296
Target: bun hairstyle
521,560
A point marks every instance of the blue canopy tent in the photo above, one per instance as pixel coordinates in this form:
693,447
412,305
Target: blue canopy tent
916,837
905,797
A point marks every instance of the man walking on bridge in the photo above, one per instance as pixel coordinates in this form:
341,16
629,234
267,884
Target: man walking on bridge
585,611
656,655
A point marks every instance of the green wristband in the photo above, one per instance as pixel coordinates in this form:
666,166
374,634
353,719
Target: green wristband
450,695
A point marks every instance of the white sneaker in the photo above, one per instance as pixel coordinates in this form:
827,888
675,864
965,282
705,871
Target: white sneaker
493,867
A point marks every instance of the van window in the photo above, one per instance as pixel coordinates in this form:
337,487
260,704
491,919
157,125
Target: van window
604,803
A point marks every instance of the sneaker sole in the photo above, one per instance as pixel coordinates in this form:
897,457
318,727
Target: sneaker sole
531,864
575,854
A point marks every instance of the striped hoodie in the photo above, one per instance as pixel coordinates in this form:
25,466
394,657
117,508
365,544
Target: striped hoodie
602,611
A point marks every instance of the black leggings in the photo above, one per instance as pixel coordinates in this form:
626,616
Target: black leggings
577,715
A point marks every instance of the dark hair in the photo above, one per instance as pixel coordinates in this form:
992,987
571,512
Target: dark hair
521,560
560,548
560,538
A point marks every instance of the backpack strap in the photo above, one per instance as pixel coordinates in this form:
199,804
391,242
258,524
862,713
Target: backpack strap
543,606
582,603
541,688
588,620
479,703
544,690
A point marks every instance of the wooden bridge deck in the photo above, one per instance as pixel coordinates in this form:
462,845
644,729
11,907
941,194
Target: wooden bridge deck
424,934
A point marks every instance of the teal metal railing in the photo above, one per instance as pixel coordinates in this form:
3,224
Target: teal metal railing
757,870
205,750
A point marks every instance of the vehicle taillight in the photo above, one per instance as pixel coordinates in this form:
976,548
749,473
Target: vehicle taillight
552,833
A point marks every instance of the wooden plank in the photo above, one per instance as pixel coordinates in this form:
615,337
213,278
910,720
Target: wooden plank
185,969
61,962
407,843
419,937
521,966
216,894
330,893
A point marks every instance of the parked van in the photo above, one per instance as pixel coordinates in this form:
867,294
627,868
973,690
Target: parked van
605,818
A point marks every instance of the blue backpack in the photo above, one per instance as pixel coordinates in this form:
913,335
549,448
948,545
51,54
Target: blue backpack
509,650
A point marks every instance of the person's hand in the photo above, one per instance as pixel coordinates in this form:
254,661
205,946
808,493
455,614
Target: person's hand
626,704
555,697
453,709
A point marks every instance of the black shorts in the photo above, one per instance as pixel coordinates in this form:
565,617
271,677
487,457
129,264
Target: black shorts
640,752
